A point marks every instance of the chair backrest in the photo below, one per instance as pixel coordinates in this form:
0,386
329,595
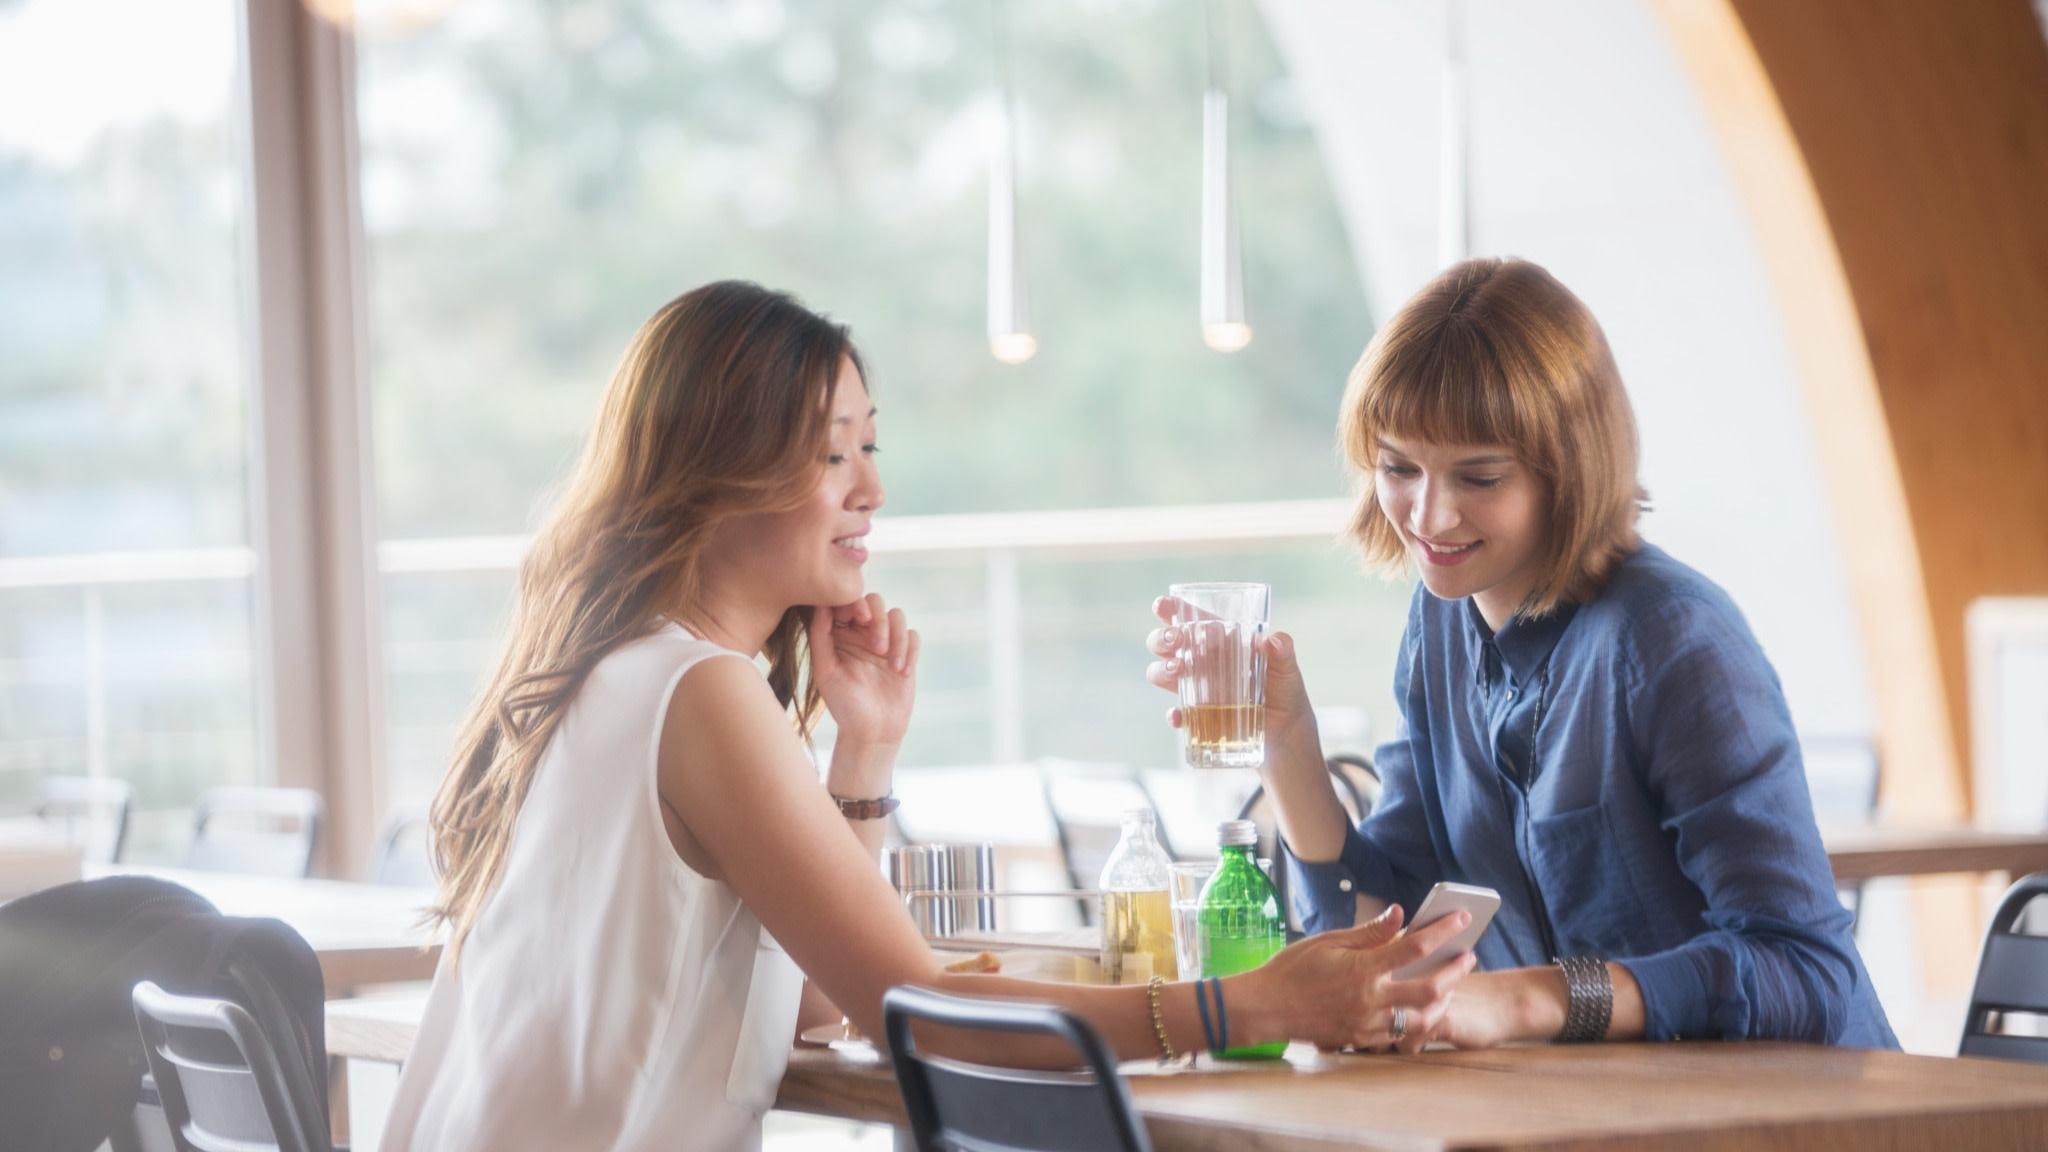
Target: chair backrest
1087,802
255,831
1842,777
957,1105
1358,789
404,851
89,811
2012,976
226,1086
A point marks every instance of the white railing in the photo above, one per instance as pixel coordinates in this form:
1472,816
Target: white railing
1001,540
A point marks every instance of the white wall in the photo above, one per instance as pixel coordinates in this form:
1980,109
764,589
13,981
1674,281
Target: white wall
1591,155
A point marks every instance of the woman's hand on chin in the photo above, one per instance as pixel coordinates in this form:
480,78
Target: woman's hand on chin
864,661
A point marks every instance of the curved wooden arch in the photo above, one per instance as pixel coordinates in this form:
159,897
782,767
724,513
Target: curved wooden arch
1894,158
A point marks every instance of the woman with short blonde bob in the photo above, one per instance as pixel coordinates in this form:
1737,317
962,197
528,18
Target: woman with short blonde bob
648,889
1587,725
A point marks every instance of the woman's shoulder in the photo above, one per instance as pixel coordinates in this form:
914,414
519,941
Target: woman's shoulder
1657,606
656,660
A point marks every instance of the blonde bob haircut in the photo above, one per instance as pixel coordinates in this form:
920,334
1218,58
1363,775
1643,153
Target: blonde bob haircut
1498,352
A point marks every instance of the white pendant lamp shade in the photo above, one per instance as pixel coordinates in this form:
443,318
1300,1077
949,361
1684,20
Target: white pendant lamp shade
1009,304
1453,179
1223,323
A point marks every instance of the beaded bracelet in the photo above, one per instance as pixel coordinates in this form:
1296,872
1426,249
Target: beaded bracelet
1166,1053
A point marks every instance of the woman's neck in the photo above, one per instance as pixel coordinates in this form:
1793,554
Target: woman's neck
728,618
1497,607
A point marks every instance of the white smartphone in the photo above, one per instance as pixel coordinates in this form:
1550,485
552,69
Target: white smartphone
1443,900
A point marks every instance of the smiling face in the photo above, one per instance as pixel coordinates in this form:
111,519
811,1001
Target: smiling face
813,553
1474,518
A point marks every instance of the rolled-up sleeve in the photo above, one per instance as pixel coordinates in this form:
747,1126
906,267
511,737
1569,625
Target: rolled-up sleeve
1710,722
1389,855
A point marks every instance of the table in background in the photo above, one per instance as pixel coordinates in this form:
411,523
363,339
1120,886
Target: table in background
363,933
1872,851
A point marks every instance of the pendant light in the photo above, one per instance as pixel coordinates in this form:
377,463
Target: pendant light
1009,305
1222,272
1453,178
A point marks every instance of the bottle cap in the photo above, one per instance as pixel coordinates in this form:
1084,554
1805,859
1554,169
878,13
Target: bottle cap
1232,833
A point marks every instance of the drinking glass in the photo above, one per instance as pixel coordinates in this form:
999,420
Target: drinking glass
1186,893
1223,675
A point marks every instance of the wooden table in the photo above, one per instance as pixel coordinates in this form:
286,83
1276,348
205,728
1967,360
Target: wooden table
363,933
1871,851
1698,1097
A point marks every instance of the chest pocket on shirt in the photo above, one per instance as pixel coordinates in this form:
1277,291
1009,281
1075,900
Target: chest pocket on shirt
767,1029
1592,900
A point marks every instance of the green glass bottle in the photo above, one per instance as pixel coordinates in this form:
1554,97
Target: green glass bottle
1241,923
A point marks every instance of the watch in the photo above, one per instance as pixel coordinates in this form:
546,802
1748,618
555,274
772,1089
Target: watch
866,809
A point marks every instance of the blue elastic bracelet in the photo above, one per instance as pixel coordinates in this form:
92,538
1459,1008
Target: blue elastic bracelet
1222,1018
1202,1005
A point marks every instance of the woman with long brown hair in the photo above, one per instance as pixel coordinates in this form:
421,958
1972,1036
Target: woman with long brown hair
640,865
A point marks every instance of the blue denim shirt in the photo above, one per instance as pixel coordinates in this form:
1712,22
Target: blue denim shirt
1624,772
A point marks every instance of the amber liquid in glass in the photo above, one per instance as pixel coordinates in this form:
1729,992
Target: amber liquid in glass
1226,731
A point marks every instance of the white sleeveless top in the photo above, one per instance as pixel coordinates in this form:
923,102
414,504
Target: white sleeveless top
608,996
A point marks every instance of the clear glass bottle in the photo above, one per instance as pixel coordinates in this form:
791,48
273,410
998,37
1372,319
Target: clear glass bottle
1241,922
1137,912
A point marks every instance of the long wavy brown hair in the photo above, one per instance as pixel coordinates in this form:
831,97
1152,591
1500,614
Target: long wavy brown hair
720,408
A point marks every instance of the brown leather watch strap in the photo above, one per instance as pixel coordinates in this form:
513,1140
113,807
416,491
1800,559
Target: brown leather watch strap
866,809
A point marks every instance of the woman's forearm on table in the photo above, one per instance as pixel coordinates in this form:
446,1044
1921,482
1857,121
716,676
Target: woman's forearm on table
1534,1002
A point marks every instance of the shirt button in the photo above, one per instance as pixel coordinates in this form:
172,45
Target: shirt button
1511,693
1343,885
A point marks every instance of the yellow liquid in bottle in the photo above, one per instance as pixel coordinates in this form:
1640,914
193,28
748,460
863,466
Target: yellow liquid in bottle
1136,923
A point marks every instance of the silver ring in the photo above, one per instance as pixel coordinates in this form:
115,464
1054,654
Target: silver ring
1400,1028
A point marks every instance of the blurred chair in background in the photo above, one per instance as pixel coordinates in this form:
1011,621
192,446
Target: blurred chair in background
2012,978
1358,790
405,851
256,831
1087,802
227,1082
89,811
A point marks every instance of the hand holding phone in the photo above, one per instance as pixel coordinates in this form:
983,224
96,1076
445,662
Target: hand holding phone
1444,899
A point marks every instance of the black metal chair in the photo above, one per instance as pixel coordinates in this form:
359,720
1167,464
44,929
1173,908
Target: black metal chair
226,1085
974,1107
89,811
256,831
1358,790
2012,976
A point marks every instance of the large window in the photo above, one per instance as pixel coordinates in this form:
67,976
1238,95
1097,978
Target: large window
123,383
538,178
